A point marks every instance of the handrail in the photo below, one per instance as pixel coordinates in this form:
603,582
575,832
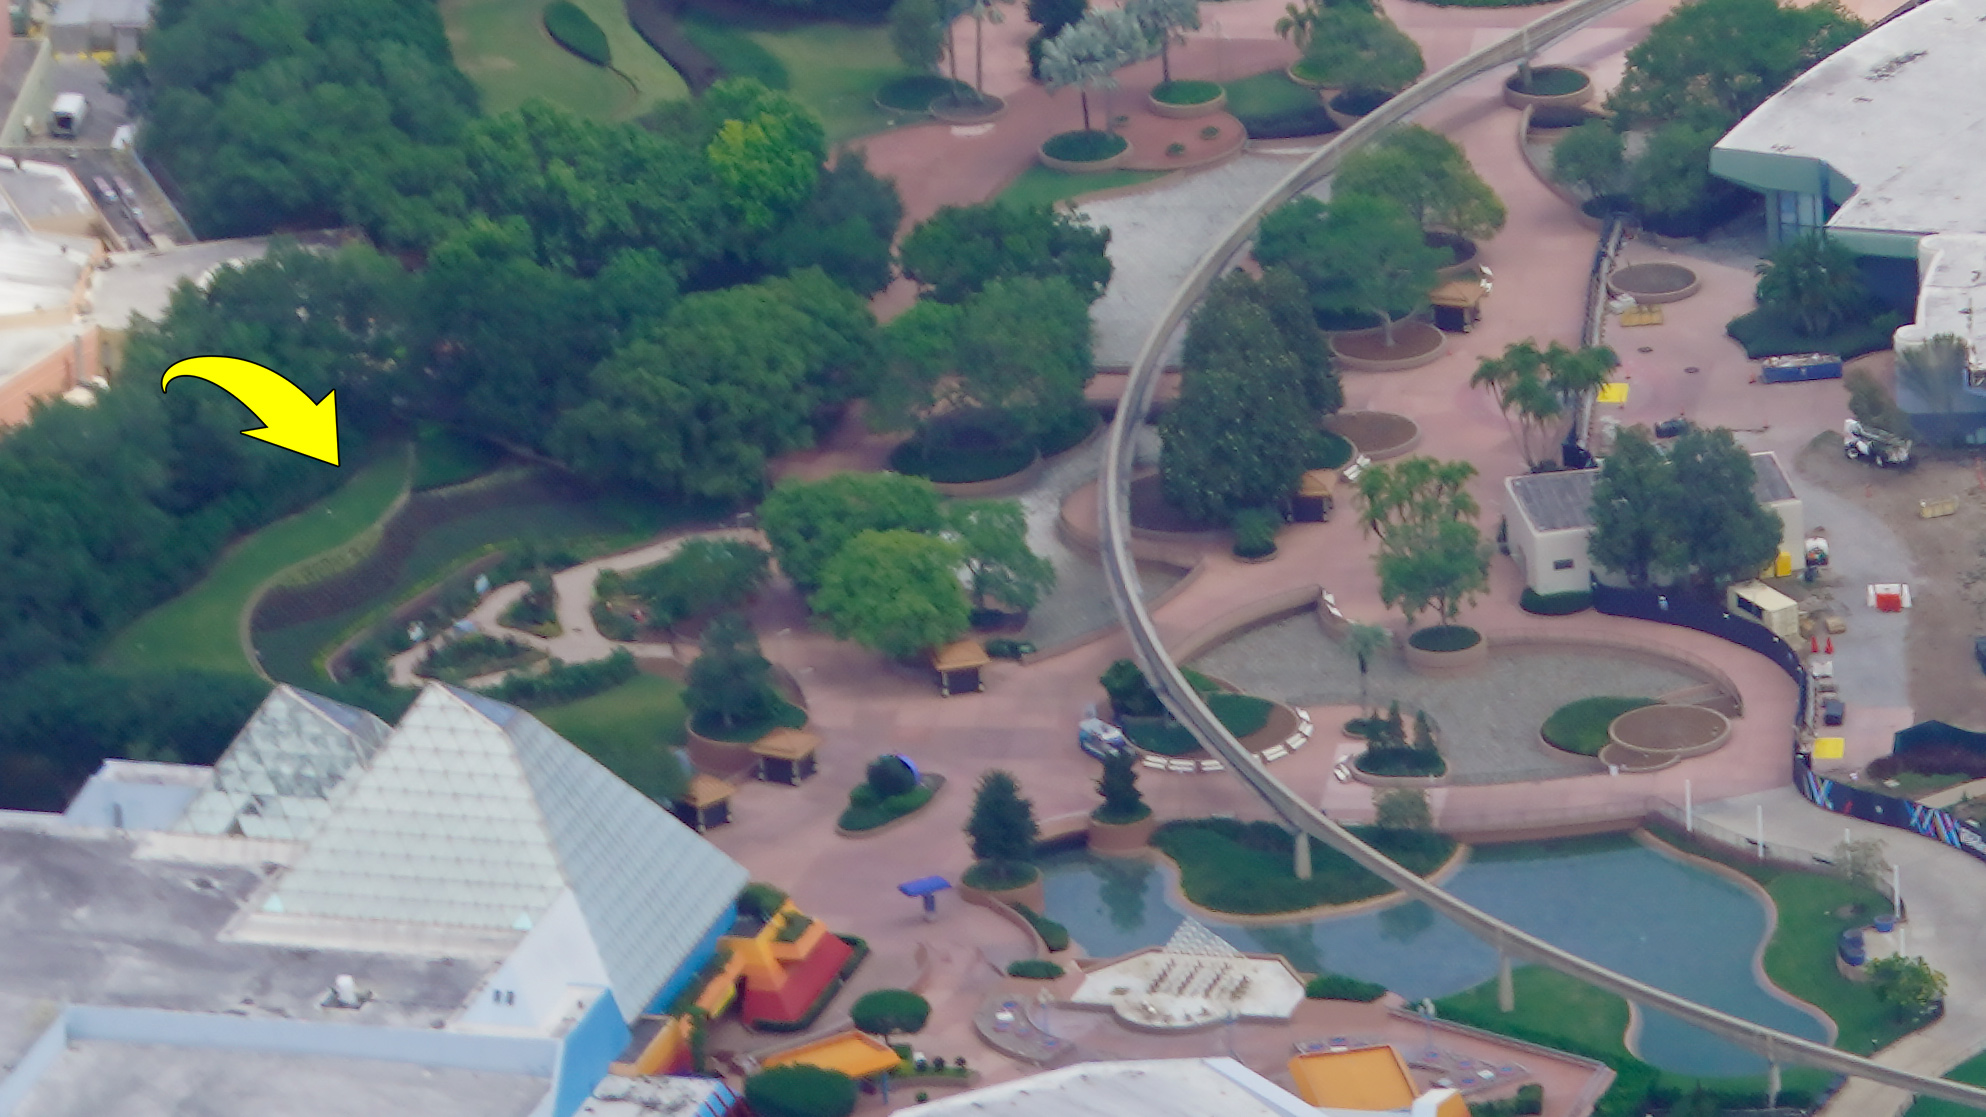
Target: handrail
1179,697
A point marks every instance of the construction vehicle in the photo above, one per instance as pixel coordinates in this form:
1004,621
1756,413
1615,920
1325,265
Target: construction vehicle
65,116
1866,443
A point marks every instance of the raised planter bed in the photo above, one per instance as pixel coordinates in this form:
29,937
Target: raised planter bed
1076,153
1415,343
979,111
914,93
1115,838
1654,283
1440,657
1462,252
1554,86
1186,110
1351,106
1378,435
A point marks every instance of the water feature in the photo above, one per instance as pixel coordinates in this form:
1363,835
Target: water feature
1611,900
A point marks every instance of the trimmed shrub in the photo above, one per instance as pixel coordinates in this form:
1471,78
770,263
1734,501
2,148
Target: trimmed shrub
566,682
1085,147
1327,451
890,775
1001,647
1040,969
798,1090
1065,431
867,810
1400,762
573,29
1765,332
1175,149
1185,92
1445,638
795,926
1549,81
1242,714
1053,934
1255,532
887,1012
1562,116
1581,726
1211,131
1555,604
1338,987
760,900
966,447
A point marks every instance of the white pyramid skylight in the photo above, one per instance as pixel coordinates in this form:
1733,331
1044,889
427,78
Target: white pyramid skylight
1192,937
475,815
277,777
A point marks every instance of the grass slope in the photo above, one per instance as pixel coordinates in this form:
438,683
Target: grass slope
835,70
503,47
633,730
1972,1072
1040,186
200,628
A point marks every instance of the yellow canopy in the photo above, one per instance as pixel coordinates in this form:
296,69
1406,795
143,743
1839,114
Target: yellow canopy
1612,393
1373,1078
852,1053
706,790
960,655
1830,748
787,744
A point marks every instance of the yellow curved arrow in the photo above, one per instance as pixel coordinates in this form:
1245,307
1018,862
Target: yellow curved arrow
289,419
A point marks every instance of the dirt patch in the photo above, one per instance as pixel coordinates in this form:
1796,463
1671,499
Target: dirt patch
1948,595
1373,432
1410,339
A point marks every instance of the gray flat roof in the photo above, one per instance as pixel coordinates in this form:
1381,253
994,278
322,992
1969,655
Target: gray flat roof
1564,500
84,922
93,1077
118,13
1900,112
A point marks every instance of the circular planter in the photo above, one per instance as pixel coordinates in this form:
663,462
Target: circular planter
1255,559
1289,72
1654,283
1152,518
1031,894
1113,838
1083,166
1341,117
996,486
990,109
1518,99
1428,662
1415,343
942,87
1370,780
1186,112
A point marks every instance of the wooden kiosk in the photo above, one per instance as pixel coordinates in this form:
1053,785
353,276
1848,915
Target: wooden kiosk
1458,304
957,666
786,755
706,804
1314,496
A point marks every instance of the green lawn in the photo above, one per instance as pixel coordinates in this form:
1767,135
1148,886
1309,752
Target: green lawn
635,730
1800,957
1249,868
835,70
200,628
1042,186
503,47
1550,1005
1972,1072
1581,725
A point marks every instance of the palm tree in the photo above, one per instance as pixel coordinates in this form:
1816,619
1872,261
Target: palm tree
1162,21
1088,53
950,11
1297,21
1365,641
983,12
1814,280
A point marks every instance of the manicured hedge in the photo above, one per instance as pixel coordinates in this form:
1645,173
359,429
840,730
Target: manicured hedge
574,30
1242,714
1555,604
1581,726
1084,147
1550,81
1358,102
1765,333
1445,638
1053,934
1039,968
915,92
799,1090
566,682
1338,987
867,811
1401,762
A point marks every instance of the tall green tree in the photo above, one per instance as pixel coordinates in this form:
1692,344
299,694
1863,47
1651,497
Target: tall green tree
960,249
1088,54
703,576
1671,180
1236,436
1122,801
730,680
1164,22
809,522
1727,535
999,565
1397,495
1713,61
1426,174
1283,296
1431,554
1359,49
766,153
1815,281
1632,503
845,228
1360,254
889,1012
1002,830
1023,347
895,592
1909,986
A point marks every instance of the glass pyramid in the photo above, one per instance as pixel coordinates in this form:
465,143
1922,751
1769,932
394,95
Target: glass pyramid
278,775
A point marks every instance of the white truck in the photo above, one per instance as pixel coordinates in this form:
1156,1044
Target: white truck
65,115
1866,443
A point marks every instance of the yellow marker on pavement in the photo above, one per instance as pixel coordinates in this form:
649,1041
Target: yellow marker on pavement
289,419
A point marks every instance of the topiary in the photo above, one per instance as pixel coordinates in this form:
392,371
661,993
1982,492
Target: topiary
1255,532
1040,969
886,1012
798,1090
1338,987
1130,694
891,774
760,900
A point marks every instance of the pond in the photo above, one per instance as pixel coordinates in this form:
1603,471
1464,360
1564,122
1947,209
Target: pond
1609,899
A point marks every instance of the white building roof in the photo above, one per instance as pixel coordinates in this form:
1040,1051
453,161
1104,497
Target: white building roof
1563,499
117,13
475,816
136,795
1900,114
1951,295
1141,1088
278,774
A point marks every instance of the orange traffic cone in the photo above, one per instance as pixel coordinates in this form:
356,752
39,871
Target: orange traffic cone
1814,641
1830,645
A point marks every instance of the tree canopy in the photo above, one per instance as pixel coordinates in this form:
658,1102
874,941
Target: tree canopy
1814,281
730,681
1002,829
1712,61
1593,157
887,1012
1533,388
1431,555
1355,47
1426,174
896,592
1689,514
1022,347
959,250
809,522
1000,568
1359,254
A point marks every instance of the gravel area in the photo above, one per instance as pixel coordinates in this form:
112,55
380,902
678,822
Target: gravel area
1080,602
1488,719
1156,236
